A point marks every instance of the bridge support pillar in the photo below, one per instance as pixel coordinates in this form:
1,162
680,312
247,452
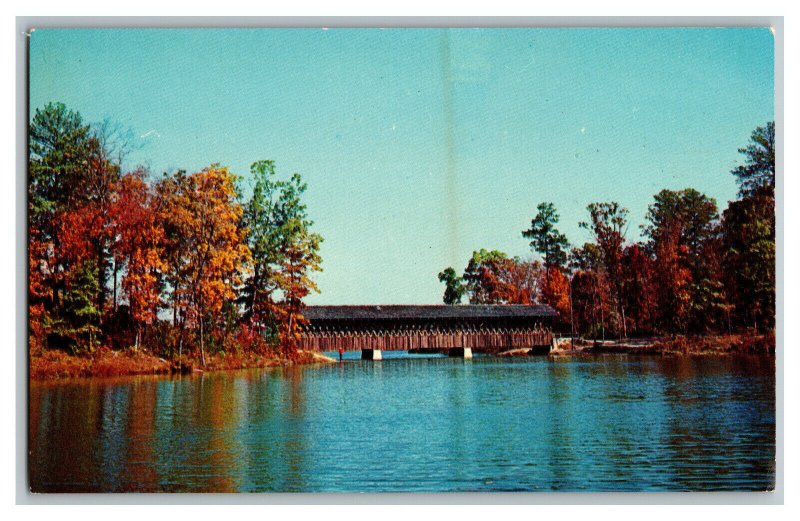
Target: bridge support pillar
371,354
460,352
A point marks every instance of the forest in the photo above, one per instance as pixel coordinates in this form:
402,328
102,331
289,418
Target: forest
179,266
184,267
695,272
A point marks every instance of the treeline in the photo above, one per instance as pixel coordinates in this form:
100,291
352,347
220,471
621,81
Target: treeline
696,271
182,264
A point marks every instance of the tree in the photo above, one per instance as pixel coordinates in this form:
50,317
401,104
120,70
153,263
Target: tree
608,223
491,277
272,217
454,286
80,321
637,288
206,246
590,289
681,226
555,290
748,233
72,180
59,152
545,238
522,282
550,243
758,172
60,146
300,258
140,248
285,253
748,258
674,279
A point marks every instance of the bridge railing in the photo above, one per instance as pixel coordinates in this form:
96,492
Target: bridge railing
482,340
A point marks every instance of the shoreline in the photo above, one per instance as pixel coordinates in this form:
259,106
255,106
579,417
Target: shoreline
58,365
701,345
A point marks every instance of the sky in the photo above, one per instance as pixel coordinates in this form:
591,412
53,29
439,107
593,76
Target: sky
420,146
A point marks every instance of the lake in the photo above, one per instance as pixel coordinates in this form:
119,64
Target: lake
415,423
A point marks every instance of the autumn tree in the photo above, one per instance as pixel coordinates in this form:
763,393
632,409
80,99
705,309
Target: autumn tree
681,227
59,152
299,260
206,248
638,295
140,249
72,181
554,288
491,277
590,290
481,275
608,221
522,282
552,245
454,286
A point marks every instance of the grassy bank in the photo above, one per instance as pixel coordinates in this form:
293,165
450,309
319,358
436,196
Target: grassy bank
54,364
679,345
717,345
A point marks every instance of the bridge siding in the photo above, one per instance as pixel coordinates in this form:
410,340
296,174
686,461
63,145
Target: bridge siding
479,341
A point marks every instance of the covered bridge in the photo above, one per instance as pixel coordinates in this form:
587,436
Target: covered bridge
458,330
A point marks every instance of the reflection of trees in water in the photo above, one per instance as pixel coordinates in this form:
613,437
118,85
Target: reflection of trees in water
139,472
195,441
560,444
75,446
704,412
259,459
220,408
293,441
270,431
679,422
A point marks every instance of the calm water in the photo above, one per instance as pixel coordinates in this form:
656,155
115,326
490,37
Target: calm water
415,424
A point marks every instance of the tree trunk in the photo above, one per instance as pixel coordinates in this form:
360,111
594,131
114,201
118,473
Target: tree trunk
290,336
602,320
202,347
571,316
116,268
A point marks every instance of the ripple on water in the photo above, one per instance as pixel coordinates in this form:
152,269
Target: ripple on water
416,424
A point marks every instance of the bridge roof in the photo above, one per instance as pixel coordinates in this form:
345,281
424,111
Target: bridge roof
430,312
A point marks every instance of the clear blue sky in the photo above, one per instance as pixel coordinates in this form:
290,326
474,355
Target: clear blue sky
420,146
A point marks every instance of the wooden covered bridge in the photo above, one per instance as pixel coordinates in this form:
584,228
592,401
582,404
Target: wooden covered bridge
456,330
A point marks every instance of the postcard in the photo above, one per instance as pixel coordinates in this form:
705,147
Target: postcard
342,260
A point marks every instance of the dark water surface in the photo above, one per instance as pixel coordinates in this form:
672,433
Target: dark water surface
617,423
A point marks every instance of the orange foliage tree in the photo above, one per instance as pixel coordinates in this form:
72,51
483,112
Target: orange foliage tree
591,291
492,277
207,250
140,248
556,292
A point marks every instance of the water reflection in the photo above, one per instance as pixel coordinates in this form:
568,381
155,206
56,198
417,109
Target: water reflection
416,424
